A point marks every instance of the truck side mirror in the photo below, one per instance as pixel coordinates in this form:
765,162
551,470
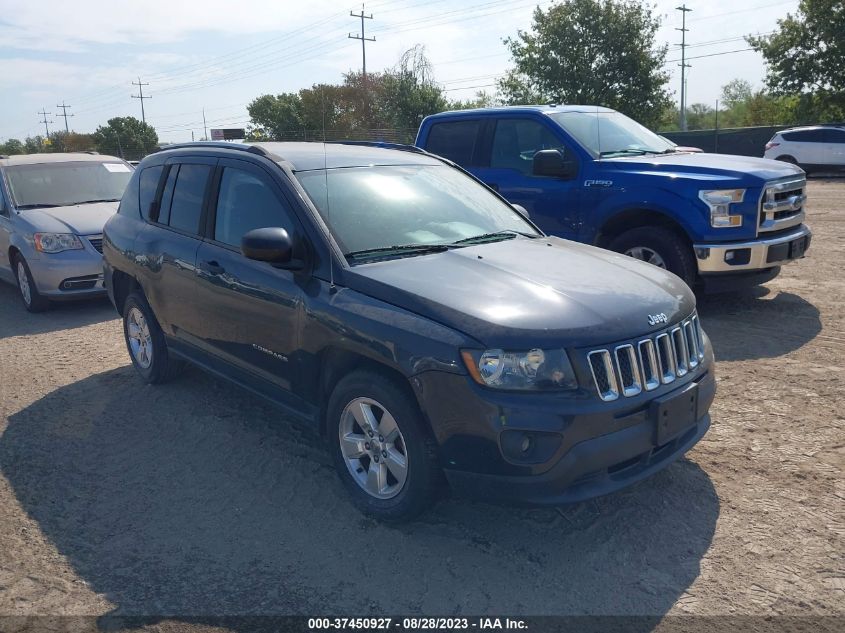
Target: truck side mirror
552,163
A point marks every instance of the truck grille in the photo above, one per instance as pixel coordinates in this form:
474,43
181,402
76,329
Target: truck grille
782,204
629,369
97,242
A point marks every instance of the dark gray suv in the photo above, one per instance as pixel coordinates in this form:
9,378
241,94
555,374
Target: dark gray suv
411,316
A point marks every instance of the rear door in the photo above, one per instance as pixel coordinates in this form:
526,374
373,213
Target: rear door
249,309
835,138
170,241
552,203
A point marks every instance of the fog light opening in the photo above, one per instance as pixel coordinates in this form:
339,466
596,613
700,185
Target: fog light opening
527,444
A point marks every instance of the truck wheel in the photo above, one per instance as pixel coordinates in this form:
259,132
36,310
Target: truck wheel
658,246
32,299
146,343
381,450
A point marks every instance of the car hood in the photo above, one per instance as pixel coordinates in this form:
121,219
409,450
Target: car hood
525,293
707,165
81,219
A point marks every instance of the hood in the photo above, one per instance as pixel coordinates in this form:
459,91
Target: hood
708,166
524,293
82,219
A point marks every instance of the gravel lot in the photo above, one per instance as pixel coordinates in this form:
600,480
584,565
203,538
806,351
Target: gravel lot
195,498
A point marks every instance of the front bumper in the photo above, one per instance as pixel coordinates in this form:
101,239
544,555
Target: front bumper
600,446
75,274
759,254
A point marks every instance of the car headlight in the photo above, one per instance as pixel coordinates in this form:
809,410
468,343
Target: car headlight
719,201
56,242
534,370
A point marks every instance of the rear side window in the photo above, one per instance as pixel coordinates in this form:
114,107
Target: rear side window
148,185
835,136
805,136
188,193
247,202
454,140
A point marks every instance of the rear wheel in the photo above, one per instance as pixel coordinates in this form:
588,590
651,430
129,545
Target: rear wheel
32,299
382,452
146,343
660,247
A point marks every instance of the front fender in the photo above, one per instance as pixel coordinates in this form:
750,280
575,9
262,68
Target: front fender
673,206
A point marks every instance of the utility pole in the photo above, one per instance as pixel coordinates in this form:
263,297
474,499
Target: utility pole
204,126
362,37
64,114
141,96
684,10
44,120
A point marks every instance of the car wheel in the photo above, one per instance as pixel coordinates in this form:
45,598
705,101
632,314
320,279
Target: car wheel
659,246
382,451
146,343
32,299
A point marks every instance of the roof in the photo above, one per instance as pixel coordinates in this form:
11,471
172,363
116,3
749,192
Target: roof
820,126
543,109
33,159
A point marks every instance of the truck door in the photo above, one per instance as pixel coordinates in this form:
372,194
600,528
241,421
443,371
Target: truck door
552,203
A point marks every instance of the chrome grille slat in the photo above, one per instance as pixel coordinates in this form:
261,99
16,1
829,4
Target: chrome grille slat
631,368
782,204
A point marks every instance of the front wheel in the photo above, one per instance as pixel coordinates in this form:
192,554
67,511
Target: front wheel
382,452
660,247
32,299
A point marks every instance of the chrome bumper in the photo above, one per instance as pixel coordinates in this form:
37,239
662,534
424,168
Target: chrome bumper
718,258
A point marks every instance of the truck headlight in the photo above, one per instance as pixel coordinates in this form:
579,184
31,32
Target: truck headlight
56,242
719,202
534,370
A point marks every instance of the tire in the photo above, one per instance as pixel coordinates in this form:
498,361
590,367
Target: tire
32,299
145,342
792,161
401,497
672,251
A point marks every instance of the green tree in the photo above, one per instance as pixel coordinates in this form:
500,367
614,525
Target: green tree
736,92
482,99
126,137
62,141
273,117
12,146
34,144
597,52
806,55
408,93
701,116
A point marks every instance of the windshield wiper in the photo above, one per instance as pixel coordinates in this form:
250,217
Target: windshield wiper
35,205
490,237
629,150
401,250
94,201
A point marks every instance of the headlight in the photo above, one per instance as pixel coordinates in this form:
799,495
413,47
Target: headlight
56,242
719,201
534,370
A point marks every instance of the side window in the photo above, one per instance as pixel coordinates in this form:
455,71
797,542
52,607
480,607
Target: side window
515,142
247,202
805,136
167,195
147,187
834,135
454,140
188,193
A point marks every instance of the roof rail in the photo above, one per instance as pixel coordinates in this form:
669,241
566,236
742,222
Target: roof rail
384,144
91,151
241,147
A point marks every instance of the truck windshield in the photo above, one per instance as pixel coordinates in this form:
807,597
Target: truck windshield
66,183
407,210
611,134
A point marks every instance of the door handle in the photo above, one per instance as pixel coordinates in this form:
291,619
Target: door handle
212,268
492,185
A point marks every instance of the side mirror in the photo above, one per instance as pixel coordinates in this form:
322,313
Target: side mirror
272,245
522,211
551,162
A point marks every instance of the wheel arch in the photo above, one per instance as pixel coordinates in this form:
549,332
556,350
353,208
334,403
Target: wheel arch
634,218
123,284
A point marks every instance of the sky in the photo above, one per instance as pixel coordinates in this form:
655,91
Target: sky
219,55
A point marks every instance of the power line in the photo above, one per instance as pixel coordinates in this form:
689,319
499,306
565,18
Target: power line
737,50
64,114
141,96
362,37
684,10
44,120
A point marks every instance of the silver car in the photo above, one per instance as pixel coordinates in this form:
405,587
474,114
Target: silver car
52,211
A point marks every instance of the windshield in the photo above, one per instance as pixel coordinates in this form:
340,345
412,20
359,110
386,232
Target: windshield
66,183
377,208
611,133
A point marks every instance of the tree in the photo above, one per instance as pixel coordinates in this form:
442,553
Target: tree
597,52
483,99
806,55
62,141
12,146
701,116
126,137
34,144
408,93
736,92
274,116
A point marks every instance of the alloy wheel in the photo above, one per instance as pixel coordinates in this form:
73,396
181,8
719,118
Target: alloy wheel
646,254
23,283
140,341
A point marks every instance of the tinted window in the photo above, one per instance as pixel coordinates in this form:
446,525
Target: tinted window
805,136
455,140
246,202
186,207
517,140
835,136
167,195
148,184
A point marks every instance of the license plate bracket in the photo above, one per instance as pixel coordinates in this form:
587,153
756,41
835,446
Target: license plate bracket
674,413
797,248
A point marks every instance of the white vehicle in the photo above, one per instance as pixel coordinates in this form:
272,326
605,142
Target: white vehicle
813,148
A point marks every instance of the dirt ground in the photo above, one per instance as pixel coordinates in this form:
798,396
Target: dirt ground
195,498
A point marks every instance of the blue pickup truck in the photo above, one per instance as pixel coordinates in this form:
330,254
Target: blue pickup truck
593,175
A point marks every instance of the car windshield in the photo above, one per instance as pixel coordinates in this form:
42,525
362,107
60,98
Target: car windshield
66,183
611,134
404,210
